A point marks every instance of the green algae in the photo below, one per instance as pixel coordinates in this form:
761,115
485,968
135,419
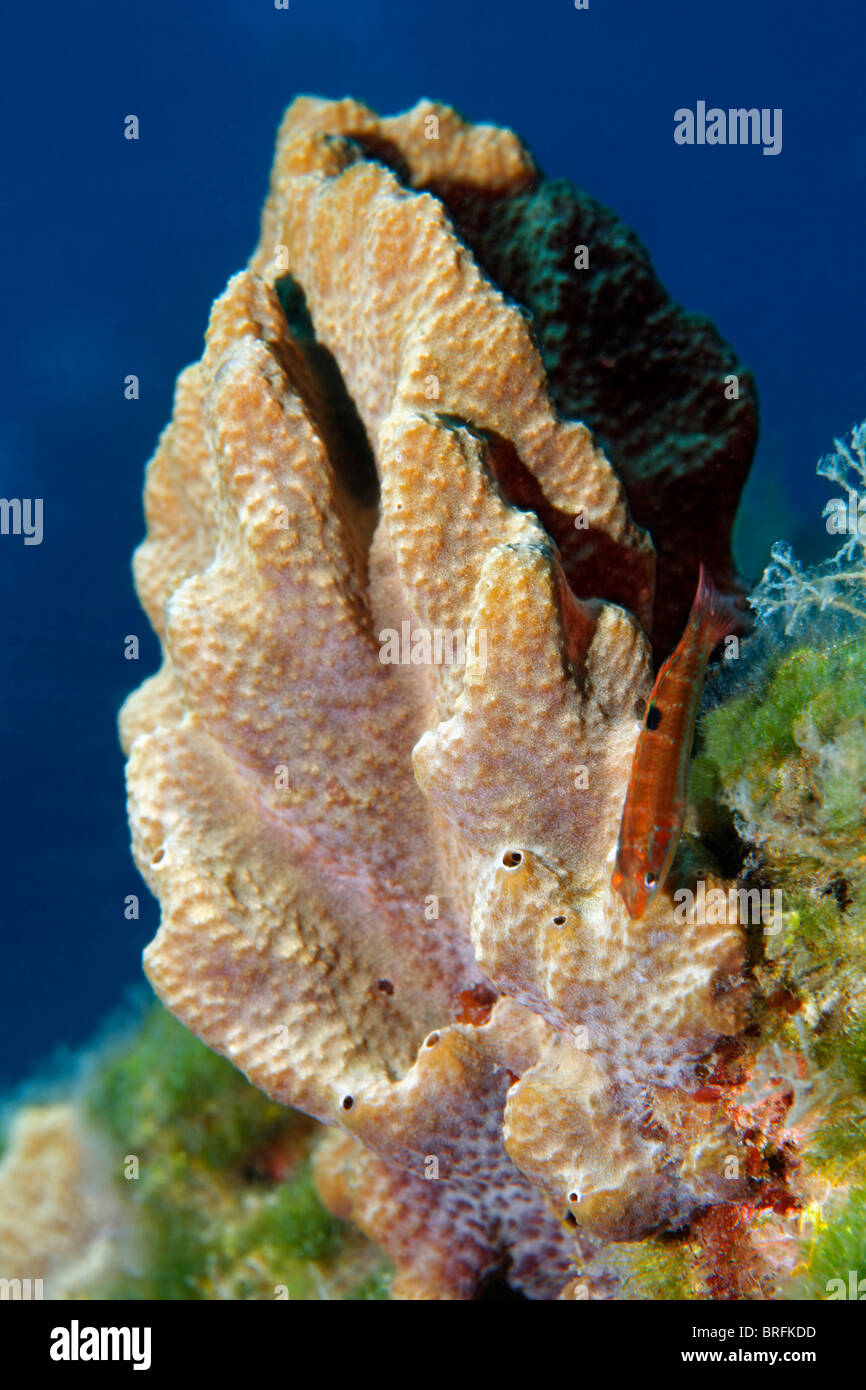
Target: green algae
375,1288
837,1251
815,697
657,1270
839,1144
219,1179
852,1053
167,1082
787,759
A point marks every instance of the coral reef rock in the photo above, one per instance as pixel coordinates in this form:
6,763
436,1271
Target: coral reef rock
406,617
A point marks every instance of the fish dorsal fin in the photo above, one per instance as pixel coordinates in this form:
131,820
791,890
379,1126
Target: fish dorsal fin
712,610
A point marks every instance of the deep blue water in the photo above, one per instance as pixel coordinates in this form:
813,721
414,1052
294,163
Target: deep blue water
113,252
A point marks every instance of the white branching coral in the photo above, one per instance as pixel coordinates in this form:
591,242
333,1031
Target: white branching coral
788,591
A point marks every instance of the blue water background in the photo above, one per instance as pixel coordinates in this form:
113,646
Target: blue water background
113,252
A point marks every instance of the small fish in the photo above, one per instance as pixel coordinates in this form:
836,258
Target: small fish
655,803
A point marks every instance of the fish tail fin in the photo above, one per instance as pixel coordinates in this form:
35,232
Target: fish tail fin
713,610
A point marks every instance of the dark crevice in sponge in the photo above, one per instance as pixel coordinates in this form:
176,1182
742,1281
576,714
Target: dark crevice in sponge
336,417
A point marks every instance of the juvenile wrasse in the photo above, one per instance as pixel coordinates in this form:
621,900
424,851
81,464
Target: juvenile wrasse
655,803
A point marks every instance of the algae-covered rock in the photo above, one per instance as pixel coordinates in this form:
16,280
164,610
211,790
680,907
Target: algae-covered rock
219,1179
787,757
164,1174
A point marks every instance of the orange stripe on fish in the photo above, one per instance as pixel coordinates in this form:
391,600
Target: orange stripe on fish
655,803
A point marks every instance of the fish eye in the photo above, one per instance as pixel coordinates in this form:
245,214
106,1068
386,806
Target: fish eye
650,879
